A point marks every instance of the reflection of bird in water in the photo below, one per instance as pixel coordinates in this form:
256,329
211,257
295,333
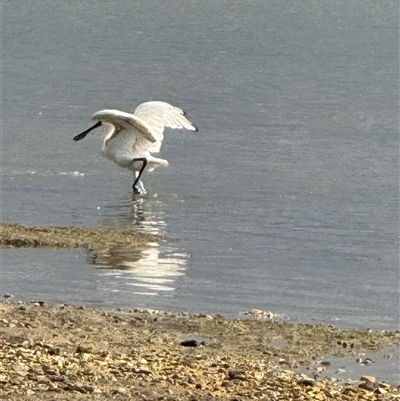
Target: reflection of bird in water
136,214
131,139
149,269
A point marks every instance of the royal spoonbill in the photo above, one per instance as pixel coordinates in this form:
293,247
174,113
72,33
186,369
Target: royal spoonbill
131,139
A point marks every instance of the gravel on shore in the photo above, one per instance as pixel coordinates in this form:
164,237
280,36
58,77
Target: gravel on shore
61,352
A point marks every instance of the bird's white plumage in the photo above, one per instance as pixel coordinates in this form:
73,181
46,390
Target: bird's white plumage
121,120
139,135
159,115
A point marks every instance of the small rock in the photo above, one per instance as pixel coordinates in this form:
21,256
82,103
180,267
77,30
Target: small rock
89,389
259,375
56,378
237,374
49,370
119,390
369,379
381,391
143,371
81,349
189,343
368,361
366,386
53,351
325,363
306,381
367,383
3,378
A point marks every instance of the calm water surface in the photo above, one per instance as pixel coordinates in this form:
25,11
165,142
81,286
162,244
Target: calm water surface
286,199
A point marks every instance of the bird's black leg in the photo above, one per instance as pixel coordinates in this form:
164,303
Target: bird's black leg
144,160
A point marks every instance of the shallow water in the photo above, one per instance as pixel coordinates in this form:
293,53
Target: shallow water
384,366
286,199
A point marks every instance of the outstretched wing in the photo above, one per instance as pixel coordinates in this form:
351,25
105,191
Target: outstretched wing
125,120
158,115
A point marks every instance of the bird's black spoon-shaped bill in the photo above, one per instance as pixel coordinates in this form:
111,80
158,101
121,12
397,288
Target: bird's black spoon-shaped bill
84,133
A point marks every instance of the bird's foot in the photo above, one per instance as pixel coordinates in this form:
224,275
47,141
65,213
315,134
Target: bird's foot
139,190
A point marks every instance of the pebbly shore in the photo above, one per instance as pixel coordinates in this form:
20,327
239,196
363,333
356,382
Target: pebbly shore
62,352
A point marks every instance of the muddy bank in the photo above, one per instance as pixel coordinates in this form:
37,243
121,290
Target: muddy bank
60,352
17,235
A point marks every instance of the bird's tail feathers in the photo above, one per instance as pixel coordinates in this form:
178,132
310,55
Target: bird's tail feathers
154,162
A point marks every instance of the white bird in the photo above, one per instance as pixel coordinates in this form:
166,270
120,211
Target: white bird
131,139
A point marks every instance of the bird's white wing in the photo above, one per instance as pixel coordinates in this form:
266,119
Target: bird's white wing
127,121
158,115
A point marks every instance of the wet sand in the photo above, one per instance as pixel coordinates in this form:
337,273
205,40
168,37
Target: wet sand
61,352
